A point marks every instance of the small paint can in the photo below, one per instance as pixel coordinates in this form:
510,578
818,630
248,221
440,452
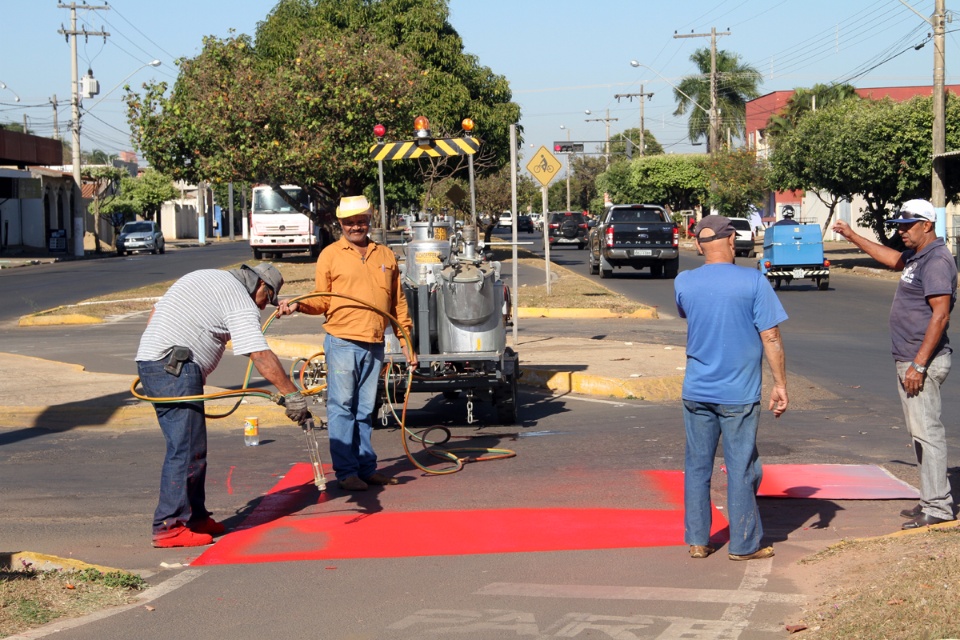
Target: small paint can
251,431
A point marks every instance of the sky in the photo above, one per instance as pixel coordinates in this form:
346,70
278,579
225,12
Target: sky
562,58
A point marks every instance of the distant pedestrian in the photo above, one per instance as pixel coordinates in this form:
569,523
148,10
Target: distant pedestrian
919,318
184,340
733,318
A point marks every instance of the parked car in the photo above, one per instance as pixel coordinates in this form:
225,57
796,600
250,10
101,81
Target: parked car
141,235
743,244
567,227
524,223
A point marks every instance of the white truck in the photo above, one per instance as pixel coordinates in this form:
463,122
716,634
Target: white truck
278,227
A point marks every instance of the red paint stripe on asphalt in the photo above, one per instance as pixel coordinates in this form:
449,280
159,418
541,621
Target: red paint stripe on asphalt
229,480
274,533
833,482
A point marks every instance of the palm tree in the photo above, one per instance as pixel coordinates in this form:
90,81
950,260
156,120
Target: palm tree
736,84
804,101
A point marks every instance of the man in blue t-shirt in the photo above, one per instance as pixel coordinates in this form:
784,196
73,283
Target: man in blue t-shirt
919,318
733,318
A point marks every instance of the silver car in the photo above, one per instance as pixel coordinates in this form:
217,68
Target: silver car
141,235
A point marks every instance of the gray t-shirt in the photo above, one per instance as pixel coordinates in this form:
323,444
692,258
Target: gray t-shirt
932,272
203,310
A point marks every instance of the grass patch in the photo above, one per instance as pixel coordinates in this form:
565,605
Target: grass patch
30,598
568,290
897,587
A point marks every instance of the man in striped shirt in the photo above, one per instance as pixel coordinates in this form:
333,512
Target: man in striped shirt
184,340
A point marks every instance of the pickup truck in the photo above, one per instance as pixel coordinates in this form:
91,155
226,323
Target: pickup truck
638,236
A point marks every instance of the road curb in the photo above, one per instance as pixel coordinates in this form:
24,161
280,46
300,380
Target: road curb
20,560
646,313
654,389
40,319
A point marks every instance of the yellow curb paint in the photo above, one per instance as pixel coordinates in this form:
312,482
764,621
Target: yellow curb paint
656,389
20,560
40,320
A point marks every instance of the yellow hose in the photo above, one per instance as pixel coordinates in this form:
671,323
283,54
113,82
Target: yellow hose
444,454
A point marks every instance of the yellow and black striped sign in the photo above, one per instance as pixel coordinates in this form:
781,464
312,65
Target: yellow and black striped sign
436,148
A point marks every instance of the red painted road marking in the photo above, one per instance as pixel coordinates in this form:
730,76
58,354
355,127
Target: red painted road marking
274,533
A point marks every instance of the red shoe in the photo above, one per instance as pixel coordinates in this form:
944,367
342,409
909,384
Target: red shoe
181,537
207,525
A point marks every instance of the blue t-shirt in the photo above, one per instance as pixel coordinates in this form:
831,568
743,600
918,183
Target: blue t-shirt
932,272
726,307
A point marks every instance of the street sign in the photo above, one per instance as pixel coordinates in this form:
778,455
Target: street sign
435,148
544,166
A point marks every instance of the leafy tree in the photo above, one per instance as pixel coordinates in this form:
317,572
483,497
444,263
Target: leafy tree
737,181
676,181
105,181
97,156
880,150
736,84
306,123
147,193
618,144
804,101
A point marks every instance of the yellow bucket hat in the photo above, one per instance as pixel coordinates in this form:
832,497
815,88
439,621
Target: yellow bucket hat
353,206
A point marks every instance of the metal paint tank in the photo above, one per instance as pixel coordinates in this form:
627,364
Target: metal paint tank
469,309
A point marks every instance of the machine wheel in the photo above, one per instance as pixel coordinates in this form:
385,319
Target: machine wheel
121,252
776,283
823,284
672,268
656,270
594,268
606,273
163,248
314,251
257,254
581,246
752,254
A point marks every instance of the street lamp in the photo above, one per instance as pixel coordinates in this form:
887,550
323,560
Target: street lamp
635,63
568,168
16,98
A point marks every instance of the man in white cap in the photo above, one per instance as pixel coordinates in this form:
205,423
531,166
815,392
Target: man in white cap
184,340
733,318
919,318
359,267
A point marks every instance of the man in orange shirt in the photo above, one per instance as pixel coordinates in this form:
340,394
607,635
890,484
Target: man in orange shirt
358,267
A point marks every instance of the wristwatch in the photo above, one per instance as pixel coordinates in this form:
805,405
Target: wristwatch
918,368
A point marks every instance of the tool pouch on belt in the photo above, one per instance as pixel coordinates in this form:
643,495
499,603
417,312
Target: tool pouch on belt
178,355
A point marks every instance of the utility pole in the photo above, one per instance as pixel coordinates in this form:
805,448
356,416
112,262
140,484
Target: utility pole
607,121
71,35
714,132
938,195
56,125
641,96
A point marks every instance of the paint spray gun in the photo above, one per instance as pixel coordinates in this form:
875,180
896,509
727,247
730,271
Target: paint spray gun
310,434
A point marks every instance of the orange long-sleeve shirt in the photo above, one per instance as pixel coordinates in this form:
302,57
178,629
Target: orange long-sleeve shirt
373,278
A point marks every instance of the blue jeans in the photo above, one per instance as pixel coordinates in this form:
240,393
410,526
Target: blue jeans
737,424
352,372
184,472
922,415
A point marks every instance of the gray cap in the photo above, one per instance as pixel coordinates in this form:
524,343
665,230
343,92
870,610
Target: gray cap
264,271
720,226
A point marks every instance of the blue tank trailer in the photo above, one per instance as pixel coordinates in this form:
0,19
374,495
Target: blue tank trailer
794,252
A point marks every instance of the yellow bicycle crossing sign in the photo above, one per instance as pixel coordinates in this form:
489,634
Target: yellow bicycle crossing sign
544,166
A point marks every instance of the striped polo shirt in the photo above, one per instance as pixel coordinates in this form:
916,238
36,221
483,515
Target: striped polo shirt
203,310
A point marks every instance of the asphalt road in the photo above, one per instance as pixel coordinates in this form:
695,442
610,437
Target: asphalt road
90,494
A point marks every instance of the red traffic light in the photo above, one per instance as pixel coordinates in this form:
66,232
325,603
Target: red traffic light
557,148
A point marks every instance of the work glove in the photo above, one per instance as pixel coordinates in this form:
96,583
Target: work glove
296,406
